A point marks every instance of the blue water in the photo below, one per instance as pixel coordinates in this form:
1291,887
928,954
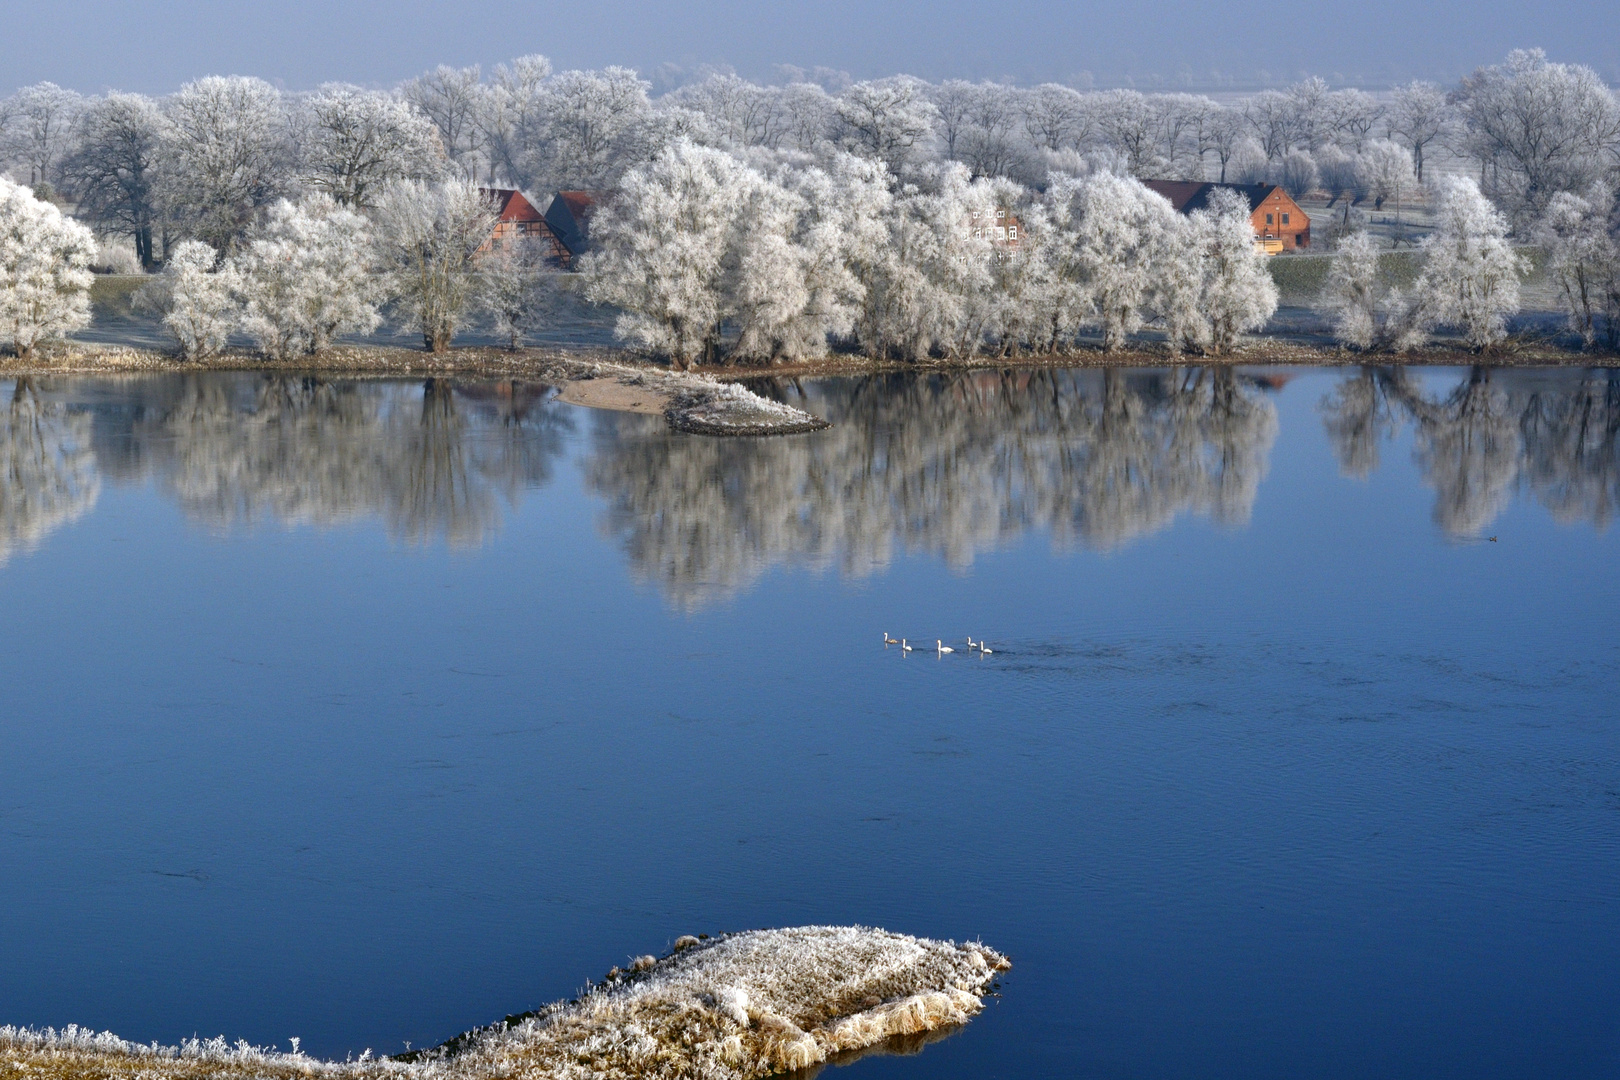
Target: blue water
366,713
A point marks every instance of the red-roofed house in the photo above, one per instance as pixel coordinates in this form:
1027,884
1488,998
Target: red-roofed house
1279,224
515,217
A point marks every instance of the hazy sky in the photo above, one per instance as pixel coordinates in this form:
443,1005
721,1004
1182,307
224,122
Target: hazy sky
155,45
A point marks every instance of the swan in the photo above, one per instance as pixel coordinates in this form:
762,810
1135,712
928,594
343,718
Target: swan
972,646
887,640
940,647
984,650
903,646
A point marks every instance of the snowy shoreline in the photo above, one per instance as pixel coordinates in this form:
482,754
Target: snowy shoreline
715,400
734,1007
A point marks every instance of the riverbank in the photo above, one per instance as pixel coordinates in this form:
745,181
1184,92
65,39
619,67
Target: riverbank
717,400
735,1007
707,403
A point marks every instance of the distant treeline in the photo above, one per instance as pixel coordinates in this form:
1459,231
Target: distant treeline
768,222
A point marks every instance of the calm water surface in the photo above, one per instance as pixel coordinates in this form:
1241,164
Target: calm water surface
369,712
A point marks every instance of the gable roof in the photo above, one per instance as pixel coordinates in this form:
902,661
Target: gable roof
1189,195
569,217
510,204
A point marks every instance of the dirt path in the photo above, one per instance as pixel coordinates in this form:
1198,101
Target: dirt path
615,396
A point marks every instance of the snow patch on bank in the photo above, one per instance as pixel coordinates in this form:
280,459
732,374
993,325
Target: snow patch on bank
732,1008
711,407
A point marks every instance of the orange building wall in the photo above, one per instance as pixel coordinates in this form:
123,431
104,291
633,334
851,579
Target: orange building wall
1295,233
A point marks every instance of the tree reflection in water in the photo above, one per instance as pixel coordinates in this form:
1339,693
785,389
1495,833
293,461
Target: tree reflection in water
430,461
951,465
47,468
1496,432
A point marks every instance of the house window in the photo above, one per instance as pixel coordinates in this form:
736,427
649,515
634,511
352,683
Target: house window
1001,213
1012,232
1001,234
1285,219
1268,219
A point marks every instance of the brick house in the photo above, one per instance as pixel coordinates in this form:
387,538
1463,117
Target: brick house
515,218
1279,224
1000,226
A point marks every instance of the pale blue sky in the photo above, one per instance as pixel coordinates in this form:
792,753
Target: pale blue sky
154,45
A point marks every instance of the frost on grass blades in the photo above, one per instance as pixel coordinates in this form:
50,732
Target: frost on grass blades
716,408
739,1006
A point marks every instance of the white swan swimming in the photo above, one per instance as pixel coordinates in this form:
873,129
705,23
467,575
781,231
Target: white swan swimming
903,646
941,647
984,650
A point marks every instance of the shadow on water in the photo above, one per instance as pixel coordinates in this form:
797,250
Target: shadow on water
899,1046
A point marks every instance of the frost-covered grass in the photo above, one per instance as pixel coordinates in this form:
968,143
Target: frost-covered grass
732,1008
707,406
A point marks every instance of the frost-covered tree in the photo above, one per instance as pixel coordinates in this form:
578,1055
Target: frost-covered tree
1580,235
1353,115
1222,287
925,274
1538,128
1471,273
451,98
512,288
953,102
195,298
992,144
1367,313
226,155
1418,116
1128,123
355,141
1338,174
792,285
660,250
591,114
1056,117
1224,132
891,120
1386,172
807,116
513,115
1310,118
1117,232
44,270
742,113
429,236
1182,120
1034,305
1270,116
37,132
305,276
1296,172
113,171
769,287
